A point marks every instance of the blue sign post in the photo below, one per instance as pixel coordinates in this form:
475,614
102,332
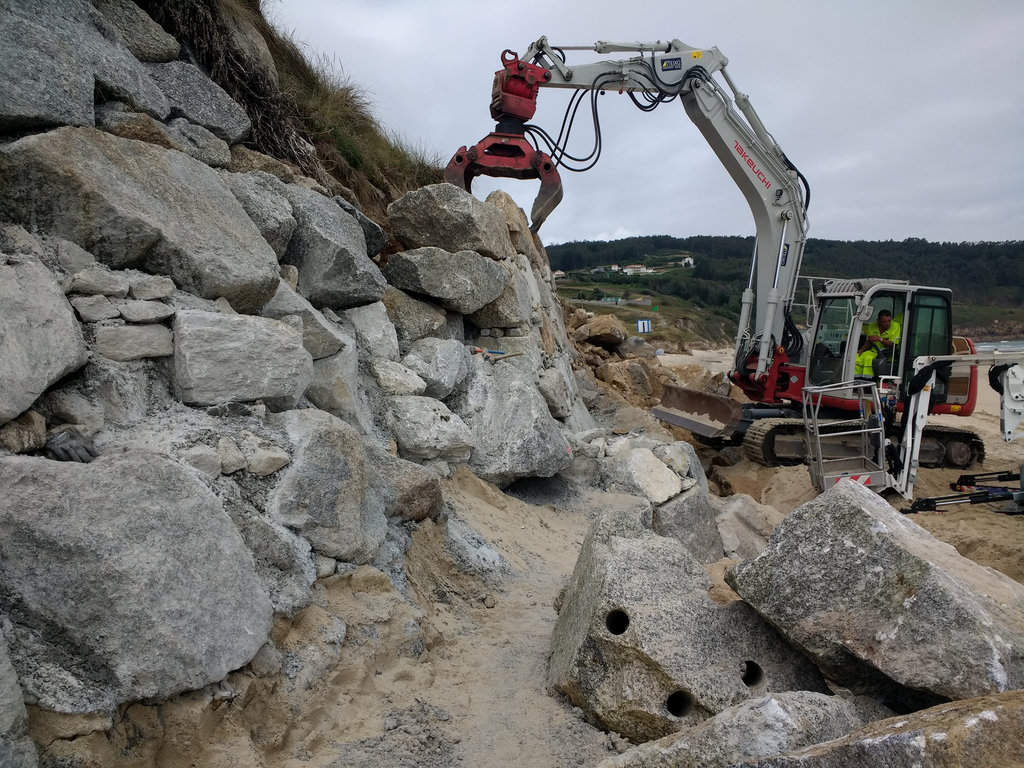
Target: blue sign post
643,326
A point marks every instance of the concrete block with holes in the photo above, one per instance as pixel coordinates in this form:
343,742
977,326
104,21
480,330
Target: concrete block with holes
642,648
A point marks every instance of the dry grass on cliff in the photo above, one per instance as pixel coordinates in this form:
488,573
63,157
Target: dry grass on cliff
337,116
309,114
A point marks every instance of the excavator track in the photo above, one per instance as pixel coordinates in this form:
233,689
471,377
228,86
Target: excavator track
782,442
759,442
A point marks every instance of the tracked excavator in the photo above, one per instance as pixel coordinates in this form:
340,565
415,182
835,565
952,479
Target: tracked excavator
790,355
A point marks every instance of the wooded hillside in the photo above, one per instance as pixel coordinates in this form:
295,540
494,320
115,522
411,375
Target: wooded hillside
982,274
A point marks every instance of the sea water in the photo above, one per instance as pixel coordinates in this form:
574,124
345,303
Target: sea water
1007,345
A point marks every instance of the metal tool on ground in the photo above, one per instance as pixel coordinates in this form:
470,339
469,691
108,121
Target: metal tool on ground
969,491
493,354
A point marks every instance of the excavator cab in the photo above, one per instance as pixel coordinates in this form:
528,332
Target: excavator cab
924,316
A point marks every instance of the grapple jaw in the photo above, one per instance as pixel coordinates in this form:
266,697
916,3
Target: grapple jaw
505,152
509,156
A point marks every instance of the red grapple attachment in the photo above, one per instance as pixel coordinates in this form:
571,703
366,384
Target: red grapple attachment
505,152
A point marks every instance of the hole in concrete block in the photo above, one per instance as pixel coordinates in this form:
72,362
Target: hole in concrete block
617,621
678,703
752,673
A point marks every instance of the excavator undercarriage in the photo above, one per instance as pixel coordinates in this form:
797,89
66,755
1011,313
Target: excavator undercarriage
776,435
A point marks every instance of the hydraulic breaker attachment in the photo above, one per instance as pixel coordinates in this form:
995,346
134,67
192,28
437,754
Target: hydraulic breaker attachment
505,152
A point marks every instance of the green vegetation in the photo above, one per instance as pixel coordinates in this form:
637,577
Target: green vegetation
987,279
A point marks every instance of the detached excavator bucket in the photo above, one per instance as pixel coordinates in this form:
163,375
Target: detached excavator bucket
702,413
510,156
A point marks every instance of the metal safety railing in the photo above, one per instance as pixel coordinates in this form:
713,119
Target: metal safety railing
852,448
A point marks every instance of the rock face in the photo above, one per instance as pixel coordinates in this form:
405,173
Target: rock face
514,434
266,408
882,606
197,98
323,495
226,358
134,204
616,650
712,528
329,248
463,282
442,214
41,340
71,43
105,563
982,731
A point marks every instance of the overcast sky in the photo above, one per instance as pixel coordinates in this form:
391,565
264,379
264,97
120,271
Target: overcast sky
906,116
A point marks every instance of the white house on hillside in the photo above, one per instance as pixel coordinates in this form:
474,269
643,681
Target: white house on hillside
636,269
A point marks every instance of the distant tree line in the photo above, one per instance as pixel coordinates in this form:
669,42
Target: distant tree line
981,273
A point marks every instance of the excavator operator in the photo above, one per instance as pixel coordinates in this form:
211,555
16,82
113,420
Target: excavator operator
880,337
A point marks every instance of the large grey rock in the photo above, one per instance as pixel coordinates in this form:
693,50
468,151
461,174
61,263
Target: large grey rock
123,579
513,431
264,198
99,281
441,363
135,204
413,319
57,55
133,342
447,217
463,281
196,97
320,337
376,334
512,308
882,606
335,387
143,37
711,527
407,490
638,471
376,240
329,248
324,495
395,379
975,732
425,429
41,341
681,457
283,560
227,358
150,287
94,308
135,311
755,728
642,649
523,240
202,144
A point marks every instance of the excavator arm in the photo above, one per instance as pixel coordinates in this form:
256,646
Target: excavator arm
661,72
